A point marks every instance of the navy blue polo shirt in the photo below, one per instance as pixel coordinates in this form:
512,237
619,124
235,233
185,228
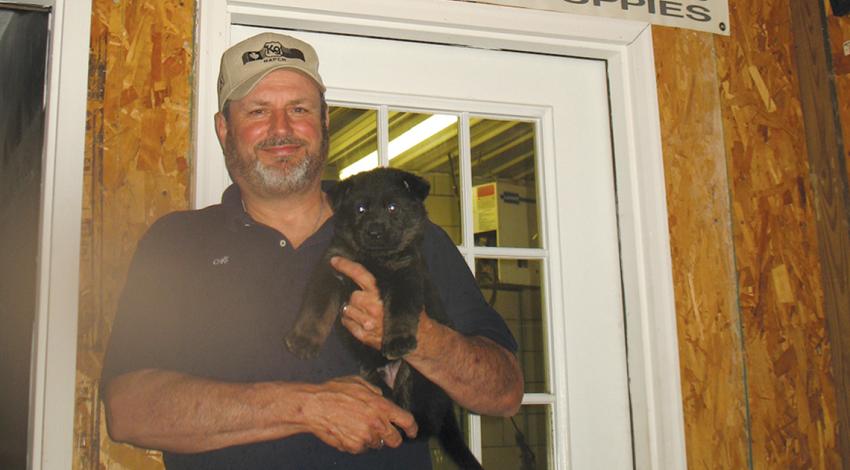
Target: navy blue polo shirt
212,292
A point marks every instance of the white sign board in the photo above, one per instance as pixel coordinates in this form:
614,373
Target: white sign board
702,15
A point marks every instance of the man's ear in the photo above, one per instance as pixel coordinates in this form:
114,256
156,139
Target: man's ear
221,129
327,118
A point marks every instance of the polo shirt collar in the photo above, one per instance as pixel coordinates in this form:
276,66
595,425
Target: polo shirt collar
234,209
236,217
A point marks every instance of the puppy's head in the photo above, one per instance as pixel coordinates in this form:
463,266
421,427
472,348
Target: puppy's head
380,210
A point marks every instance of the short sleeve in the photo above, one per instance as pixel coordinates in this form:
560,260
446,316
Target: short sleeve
143,335
462,299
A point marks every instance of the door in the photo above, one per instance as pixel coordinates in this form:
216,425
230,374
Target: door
519,154
23,46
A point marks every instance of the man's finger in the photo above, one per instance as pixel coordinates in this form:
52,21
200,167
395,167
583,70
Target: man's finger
359,316
353,327
356,379
372,387
399,419
355,271
405,421
393,439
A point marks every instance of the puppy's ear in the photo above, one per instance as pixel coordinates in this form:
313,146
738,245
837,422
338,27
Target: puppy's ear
416,185
338,192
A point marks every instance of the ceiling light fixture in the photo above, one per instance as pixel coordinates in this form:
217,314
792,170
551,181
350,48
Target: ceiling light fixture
406,141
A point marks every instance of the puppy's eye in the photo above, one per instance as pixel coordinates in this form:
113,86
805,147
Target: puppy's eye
391,207
361,208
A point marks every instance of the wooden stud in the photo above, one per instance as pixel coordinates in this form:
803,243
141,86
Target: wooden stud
839,41
831,198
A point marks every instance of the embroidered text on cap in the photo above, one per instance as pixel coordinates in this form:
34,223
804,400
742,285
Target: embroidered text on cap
273,50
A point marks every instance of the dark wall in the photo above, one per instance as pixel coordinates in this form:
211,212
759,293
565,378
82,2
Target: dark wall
23,45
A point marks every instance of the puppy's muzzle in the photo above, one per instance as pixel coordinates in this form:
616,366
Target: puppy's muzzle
376,232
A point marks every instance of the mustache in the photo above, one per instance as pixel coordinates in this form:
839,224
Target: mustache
277,141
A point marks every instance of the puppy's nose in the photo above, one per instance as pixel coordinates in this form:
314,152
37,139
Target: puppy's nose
375,231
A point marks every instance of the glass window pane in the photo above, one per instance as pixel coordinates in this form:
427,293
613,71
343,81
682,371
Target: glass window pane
512,287
427,145
522,442
504,179
353,140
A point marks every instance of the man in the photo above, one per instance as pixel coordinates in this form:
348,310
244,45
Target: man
196,366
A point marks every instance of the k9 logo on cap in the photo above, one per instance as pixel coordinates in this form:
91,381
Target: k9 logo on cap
273,50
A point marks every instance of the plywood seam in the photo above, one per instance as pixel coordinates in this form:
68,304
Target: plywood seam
736,271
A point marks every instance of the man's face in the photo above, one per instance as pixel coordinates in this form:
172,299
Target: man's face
275,138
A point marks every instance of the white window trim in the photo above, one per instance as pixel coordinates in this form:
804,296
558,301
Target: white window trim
54,359
626,46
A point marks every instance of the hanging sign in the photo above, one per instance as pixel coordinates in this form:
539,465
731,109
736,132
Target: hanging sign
702,15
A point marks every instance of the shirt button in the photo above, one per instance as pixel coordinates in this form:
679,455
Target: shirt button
282,243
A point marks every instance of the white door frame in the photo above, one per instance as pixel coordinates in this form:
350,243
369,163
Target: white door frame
626,46
54,353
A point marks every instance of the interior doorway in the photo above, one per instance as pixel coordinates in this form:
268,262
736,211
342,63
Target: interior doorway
23,50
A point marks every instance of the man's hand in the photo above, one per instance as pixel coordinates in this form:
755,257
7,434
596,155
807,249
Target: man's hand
474,371
351,415
363,314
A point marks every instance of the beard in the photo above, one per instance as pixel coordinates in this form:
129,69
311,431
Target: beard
271,181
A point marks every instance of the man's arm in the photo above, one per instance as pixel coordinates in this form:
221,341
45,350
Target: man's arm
475,372
180,413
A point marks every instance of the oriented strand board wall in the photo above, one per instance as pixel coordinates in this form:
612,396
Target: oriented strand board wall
790,391
786,382
714,397
137,168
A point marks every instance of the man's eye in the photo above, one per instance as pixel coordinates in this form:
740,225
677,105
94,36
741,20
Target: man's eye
391,207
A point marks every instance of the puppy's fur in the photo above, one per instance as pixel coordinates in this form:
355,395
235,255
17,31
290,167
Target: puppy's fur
379,222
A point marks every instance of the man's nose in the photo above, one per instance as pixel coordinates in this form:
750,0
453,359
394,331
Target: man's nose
280,122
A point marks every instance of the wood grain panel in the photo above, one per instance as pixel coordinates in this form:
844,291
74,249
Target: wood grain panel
701,244
839,34
831,198
136,169
790,389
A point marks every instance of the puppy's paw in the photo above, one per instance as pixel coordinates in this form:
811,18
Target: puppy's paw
398,347
302,346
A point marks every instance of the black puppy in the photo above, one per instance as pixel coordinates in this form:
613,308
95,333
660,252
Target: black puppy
379,220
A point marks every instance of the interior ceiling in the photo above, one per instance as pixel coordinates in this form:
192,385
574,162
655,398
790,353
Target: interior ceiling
501,150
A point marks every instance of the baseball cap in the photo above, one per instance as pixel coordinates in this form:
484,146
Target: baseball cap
244,64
